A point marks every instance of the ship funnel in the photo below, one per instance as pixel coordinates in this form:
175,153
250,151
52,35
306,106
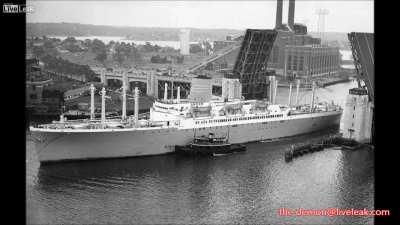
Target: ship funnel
291,14
278,21
165,92
92,102
178,95
103,105
136,107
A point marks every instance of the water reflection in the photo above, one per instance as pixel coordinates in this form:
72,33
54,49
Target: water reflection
244,188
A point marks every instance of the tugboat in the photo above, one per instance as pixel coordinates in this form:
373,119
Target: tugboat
210,145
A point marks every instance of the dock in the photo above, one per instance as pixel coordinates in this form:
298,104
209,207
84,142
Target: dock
333,141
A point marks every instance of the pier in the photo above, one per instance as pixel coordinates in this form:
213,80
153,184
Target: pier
336,142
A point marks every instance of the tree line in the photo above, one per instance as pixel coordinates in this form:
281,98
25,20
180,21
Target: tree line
60,65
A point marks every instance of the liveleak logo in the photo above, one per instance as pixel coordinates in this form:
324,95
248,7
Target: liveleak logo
16,8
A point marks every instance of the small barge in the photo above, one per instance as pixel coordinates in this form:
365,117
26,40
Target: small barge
335,141
210,145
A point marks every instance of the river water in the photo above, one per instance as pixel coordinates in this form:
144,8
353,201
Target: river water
247,187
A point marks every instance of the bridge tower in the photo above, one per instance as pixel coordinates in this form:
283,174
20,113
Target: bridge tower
251,63
358,116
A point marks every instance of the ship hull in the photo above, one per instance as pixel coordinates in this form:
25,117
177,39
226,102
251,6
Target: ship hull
66,146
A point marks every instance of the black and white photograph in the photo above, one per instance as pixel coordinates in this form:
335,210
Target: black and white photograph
200,112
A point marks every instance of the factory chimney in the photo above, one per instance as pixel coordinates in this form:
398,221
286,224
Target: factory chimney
278,21
291,14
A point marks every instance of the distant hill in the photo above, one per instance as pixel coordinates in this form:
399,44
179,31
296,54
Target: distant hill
136,33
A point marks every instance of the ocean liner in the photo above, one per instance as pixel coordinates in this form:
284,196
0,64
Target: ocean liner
173,122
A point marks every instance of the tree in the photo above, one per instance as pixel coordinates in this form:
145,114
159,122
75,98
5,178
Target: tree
119,55
101,57
69,40
100,50
38,51
156,48
98,46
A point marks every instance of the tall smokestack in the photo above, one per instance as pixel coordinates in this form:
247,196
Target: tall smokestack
291,14
279,6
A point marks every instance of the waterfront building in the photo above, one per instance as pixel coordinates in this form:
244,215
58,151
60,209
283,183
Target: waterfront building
295,46
308,61
218,45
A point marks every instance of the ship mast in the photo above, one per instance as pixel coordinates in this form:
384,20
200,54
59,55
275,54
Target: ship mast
297,91
275,91
312,96
290,94
165,92
178,97
136,107
103,105
124,97
92,102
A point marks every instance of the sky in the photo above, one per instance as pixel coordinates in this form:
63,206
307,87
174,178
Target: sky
343,15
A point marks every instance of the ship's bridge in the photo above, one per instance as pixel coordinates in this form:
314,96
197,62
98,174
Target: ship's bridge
169,110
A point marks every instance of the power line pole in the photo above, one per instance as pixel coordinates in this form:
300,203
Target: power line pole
321,22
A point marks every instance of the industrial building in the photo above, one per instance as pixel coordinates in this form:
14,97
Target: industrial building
229,41
302,53
294,51
310,61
